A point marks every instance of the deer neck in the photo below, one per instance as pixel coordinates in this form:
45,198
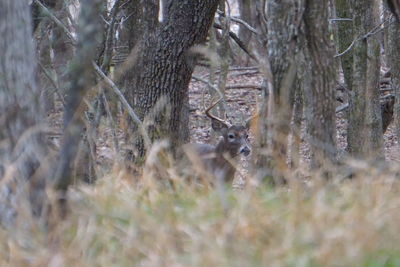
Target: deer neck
222,148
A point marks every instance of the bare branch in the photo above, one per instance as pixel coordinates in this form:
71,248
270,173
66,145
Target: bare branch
123,100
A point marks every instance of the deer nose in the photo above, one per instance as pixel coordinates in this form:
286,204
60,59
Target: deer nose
245,151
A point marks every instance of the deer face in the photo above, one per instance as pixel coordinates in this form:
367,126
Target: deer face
235,137
235,140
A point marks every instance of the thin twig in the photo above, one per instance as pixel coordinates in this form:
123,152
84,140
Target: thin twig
124,102
57,21
56,89
208,84
342,107
239,42
240,21
373,31
340,19
243,86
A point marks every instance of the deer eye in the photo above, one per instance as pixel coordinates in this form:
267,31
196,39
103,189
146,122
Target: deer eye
231,136
247,136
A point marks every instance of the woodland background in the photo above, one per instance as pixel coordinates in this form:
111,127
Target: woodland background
97,96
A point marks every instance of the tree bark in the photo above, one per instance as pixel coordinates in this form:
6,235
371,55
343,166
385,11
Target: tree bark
322,129
162,72
245,9
245,14
283,26
345,34
22,149
393,52
364,135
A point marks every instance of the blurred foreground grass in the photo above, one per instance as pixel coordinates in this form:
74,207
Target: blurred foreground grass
114,223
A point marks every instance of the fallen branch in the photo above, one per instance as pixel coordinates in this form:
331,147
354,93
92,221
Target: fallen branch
244,86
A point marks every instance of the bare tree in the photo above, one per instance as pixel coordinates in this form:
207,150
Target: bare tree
163,69
319,54
345,34
284,18
393,52
365,112
22,149
81,80
245,9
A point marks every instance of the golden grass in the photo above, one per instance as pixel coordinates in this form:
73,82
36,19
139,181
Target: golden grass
116,223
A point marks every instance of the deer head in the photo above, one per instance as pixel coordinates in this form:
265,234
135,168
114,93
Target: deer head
235,137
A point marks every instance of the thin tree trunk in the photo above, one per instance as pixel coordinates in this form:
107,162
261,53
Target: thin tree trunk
245,9
62,47
393,52
81,78
345,34
261,156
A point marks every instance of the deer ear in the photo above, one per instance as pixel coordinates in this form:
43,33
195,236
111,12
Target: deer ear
219,126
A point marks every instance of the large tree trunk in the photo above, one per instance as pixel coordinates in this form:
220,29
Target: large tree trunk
22,149
282,50
364,135
163,69
141,20
322,129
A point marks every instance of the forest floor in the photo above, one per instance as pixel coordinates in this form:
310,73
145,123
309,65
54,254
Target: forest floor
241,103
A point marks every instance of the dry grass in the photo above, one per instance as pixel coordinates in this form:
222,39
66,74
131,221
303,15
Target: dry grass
118,222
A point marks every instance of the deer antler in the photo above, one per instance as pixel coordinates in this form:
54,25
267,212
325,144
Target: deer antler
214,117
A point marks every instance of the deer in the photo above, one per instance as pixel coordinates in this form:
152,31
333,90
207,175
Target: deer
219,161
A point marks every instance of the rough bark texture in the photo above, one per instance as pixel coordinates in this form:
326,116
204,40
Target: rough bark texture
283,23
163,69
393,52
365,112
141,19
22,148
345,34
322,129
